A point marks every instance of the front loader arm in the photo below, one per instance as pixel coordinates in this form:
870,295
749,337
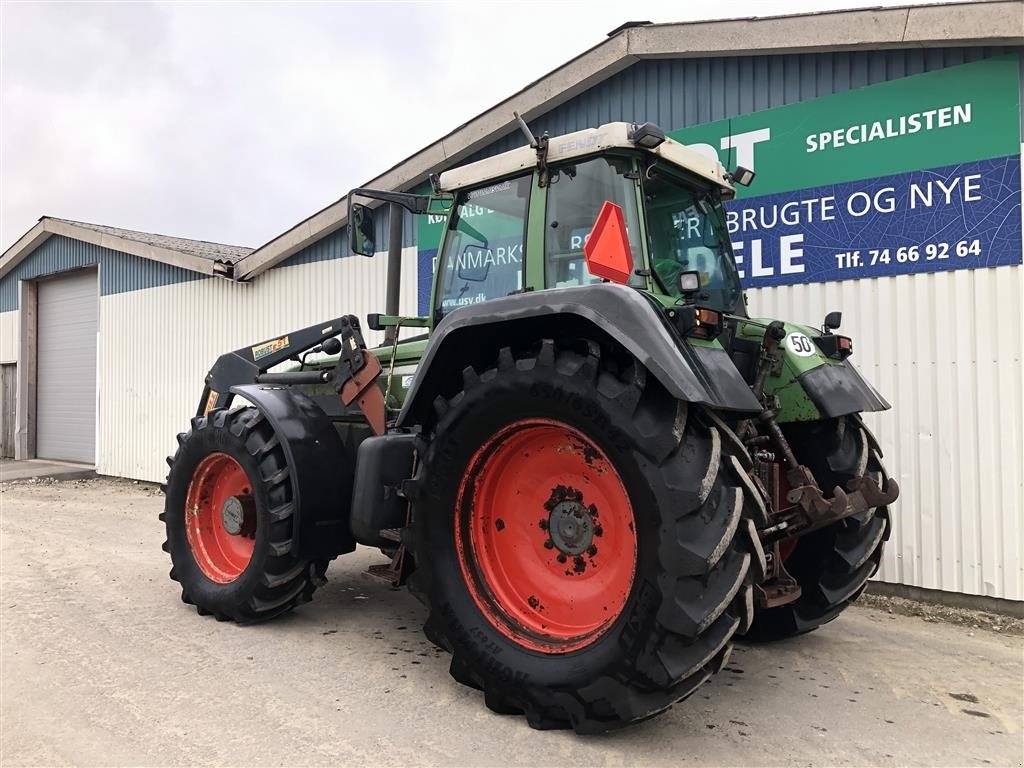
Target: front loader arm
354,376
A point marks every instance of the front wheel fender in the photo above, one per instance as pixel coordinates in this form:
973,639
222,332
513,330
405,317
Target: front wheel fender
321,469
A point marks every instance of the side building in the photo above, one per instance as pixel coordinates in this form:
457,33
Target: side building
887,145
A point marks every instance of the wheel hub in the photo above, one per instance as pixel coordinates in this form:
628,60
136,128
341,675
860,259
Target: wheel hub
238,515
571,527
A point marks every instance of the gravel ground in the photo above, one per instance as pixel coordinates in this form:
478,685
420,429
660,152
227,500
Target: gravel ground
993,622
101,664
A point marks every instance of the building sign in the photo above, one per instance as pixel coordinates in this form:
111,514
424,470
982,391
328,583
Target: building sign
919,174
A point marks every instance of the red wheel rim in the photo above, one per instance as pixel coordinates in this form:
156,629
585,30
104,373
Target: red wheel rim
545,536
220,554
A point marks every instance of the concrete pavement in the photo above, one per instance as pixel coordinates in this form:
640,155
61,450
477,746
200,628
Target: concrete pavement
44,469
102,664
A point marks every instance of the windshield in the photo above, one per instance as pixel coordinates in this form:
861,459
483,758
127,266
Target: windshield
687,232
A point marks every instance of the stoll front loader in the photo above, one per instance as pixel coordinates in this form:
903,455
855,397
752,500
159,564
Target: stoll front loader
593,468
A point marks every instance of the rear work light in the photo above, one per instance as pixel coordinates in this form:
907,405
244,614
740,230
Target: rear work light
708,325
697,322
836,347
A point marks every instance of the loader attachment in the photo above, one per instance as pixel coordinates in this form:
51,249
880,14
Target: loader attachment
248,364
354,376
361,387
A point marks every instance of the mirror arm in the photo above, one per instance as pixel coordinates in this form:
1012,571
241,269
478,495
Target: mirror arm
415,204
378,322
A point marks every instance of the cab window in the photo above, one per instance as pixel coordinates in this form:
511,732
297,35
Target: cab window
687,231
483,251
575,197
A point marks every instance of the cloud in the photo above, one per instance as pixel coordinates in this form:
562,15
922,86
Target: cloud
231,122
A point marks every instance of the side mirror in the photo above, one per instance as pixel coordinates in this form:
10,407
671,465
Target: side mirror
689,284
832,321
361,230
470,273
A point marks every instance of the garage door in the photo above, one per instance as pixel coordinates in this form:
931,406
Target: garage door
66,373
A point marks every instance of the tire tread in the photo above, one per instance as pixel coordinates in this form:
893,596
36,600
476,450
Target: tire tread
285,579
704,568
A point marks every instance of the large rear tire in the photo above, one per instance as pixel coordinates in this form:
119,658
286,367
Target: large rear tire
584,542
229,517
834,564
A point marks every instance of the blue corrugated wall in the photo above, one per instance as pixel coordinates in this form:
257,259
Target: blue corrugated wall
119,272
674,93
679,93
335,245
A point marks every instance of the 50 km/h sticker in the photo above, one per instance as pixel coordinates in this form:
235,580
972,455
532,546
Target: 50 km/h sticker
799,344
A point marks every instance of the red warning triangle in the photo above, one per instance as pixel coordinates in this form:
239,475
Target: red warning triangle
607,248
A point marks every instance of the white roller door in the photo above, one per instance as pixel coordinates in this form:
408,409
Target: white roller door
66,373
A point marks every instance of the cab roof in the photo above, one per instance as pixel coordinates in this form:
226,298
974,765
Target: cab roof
589,141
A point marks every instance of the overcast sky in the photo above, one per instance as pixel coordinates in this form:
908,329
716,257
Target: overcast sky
233,121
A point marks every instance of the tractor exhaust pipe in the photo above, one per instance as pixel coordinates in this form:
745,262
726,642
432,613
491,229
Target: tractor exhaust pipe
394,278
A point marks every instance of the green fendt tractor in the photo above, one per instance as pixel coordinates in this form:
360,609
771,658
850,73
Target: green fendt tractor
593,468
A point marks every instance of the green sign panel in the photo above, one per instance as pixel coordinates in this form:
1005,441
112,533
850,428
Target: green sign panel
955,115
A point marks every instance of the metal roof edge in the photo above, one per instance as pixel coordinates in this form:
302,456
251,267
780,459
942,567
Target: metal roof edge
982,22
979,22
48,226
23,246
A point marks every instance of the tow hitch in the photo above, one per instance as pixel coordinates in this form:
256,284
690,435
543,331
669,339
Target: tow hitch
808,509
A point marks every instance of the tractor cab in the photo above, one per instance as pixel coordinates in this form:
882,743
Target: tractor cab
522,221
533,227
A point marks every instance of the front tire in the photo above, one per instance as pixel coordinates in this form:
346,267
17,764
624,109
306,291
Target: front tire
600,631
229,518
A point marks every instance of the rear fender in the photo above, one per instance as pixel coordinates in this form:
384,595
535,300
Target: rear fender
810,385
838,390
834,388
695,374
320,467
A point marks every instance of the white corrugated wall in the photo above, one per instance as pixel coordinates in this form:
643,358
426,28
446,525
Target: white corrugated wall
945,350
9,339
157,344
